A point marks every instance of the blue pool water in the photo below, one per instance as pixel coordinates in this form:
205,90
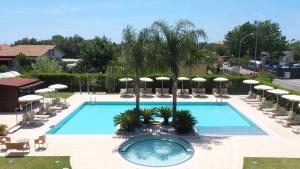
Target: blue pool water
212,118
156,151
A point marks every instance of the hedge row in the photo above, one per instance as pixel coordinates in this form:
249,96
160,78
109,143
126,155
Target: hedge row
107,84
112,85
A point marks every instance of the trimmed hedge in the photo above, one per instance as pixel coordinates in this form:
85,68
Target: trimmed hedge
102,83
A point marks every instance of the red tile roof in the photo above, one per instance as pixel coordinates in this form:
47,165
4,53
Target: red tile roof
28,50
4,46
17,82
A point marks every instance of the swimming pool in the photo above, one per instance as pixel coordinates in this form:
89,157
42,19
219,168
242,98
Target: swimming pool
212,118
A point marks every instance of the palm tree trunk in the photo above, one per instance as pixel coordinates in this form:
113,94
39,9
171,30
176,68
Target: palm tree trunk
174,92
137,94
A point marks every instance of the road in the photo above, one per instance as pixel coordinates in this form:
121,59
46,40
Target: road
293,84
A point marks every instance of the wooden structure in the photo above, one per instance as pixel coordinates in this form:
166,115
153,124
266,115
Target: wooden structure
12,88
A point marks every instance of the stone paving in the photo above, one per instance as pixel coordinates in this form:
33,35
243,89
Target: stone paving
100,151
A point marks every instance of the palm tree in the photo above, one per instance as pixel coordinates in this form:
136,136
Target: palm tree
135,52
175,43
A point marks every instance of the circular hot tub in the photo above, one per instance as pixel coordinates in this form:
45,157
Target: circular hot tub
156,151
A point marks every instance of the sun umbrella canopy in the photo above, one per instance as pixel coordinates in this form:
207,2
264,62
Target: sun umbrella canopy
278,91
126,79
162,78
251,82
58,86
146,79
183,78
45,90
220,79
263,87
199,79
293,98
30,98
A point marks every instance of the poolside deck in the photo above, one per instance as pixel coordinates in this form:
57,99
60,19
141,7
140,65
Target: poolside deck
100,151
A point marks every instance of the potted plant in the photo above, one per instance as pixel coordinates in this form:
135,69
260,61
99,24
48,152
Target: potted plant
3,131
128,120
165,113
184,122
147,114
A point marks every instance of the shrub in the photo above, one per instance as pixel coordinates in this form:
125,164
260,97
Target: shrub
3,129
184,122
128,120
165,113
147,114
3,68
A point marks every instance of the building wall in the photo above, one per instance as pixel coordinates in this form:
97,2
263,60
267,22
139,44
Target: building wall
8,99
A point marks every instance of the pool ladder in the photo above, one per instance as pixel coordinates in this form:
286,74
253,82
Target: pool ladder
93,99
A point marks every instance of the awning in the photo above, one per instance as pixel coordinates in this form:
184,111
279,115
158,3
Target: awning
32,85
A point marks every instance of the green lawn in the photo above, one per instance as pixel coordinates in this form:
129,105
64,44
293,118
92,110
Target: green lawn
51,162
271,163
64,95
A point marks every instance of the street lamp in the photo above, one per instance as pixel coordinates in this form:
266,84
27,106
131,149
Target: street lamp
240,49
293,48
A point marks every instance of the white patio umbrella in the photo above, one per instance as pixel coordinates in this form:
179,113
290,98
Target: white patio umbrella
162,79
220,80
126,80
199,79
263,88
58,87
278,92
251,82
29,99
292,98
43,91
145,80
182,79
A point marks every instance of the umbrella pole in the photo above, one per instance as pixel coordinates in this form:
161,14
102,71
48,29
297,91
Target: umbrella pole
220,92
145,85
198,85
126,86
162,86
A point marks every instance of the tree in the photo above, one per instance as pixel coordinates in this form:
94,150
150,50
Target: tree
295,47
174,44
24,62
96,54
269,38
46,64
135,52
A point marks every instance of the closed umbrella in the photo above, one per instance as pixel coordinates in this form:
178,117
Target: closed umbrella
263,88
145,80
126,80
199,79
292,98
182,79
162,79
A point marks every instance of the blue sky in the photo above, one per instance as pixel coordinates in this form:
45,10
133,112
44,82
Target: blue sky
88,18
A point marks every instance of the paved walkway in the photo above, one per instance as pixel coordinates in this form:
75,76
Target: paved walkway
100,151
